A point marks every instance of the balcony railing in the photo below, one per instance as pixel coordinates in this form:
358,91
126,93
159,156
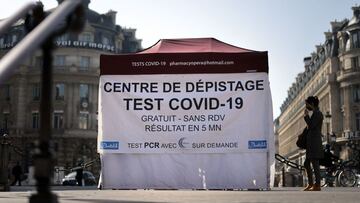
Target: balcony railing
344,72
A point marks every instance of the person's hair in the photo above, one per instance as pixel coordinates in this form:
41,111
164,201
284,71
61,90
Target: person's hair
313,100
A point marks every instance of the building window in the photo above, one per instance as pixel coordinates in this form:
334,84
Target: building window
1,42
6,120
84,120
59,91
38,61
356,93
7,92
59,60
58,120
35,120
85,37
63,37
105,41
342,92
341,45
14,38
355,40
341,65
328,49
84,92
357,117
84,62
354,62
36,92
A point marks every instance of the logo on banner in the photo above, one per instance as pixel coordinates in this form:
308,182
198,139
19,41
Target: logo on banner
111,145
257,144
181,142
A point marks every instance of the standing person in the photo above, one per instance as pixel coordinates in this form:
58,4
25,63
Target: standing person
17,171
314,148
79,174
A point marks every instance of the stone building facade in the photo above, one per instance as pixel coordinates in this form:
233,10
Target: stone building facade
332,73
76,62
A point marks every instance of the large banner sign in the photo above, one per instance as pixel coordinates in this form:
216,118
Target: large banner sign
192,113
188,116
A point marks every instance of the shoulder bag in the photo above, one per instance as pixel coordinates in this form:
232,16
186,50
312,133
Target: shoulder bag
301,141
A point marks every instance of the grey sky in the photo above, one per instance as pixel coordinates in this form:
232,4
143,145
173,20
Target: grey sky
287,29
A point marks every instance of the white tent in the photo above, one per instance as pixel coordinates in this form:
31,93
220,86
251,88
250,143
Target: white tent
186,114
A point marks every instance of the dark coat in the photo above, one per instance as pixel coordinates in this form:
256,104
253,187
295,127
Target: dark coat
79,173
314,148
17,171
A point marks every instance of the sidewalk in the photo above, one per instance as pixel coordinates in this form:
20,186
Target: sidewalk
92,195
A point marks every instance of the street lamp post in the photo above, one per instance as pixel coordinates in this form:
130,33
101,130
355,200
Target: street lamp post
327,120
283,175
43,160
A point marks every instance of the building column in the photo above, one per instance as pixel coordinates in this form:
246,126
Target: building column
20,122
94,107
76,106
335,125
69,107
347,108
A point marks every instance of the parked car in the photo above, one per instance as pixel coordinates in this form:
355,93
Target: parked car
70,179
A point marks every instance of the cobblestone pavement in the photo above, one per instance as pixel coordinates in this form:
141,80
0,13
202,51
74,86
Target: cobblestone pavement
92,195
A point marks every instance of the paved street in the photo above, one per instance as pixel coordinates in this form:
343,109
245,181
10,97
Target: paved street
91,195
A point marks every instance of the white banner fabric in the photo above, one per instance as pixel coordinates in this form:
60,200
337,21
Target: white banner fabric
188,113
185,171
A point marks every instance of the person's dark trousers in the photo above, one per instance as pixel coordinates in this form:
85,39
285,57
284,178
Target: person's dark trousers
316,166
79,181
16,180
